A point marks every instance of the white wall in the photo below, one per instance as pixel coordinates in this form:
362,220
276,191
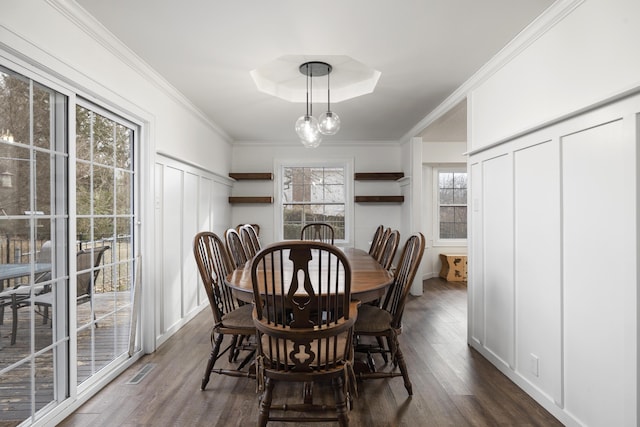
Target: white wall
587,57
188,200
55,43
437,155
553,253
371,157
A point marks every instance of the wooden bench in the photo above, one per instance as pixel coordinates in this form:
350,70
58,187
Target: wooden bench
454,267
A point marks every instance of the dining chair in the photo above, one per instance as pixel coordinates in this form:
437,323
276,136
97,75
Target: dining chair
229,316
375,241
386,321
250,240
304,323
235,247
383,239
88,268
255,227
389,248
319,231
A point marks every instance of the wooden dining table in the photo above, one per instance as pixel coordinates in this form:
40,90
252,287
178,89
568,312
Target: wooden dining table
369,280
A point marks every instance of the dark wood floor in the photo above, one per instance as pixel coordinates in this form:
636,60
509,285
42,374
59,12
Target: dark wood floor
453,385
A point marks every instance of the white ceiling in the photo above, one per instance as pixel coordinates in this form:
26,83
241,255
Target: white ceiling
425,49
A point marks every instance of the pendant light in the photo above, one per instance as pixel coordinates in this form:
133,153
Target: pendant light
307,127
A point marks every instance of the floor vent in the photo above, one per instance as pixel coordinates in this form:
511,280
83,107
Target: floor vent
138,377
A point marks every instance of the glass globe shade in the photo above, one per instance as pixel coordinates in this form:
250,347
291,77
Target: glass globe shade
329,123
307,129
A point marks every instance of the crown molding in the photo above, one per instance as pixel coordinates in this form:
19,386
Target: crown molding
540,26
94,29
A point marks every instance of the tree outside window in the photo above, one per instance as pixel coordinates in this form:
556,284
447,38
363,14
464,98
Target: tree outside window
313,194
452,204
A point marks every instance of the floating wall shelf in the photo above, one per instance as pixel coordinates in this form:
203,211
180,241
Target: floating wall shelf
379,199
246,176
251,199
378,176
251,175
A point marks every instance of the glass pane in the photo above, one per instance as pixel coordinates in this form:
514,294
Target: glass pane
44,368
103,140
83,188
124,147
43,183
287,192
461,230
42,129
460,213
84,232
460,180
14,108
102,190
445,180
334,176
15,181
123,192
447,213
460,196
84,120
85,344
446,196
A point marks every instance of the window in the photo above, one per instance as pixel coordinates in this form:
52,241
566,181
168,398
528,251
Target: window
452,204
104,218
313,194
71,323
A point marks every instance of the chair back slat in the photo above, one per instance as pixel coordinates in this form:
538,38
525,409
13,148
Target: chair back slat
303,308
214,265
383,240
250,240
318,231
235,247
404,275
389,249
377,237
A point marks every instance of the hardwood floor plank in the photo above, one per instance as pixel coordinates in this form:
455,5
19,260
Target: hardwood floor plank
453,384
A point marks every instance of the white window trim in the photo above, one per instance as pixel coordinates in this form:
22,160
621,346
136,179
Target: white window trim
347,164
438,242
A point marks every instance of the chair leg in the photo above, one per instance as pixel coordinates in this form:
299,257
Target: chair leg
212,359
402,364
233,352
14,323
341,401
383,353
265,402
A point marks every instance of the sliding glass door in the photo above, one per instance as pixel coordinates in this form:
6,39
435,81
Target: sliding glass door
67,245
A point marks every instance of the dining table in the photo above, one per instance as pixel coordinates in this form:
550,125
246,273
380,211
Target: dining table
369,280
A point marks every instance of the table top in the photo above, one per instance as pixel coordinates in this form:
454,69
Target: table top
369,280
13,271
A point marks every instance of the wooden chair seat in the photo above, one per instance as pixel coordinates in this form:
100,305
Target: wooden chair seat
239,318
372,319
